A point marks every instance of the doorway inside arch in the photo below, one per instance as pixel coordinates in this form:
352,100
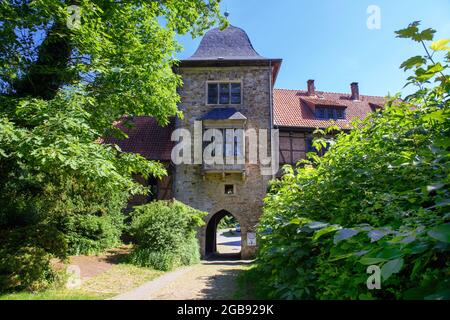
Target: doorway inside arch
223,236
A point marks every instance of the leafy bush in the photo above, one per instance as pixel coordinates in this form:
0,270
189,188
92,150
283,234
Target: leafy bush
379,196
165,234
160,260
25,256
90,234
323,261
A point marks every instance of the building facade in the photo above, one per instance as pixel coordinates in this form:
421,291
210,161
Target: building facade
229,87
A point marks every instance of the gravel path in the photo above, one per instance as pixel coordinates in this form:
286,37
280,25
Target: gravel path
208,280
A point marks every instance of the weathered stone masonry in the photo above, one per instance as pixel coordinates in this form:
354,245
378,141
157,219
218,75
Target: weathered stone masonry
206,191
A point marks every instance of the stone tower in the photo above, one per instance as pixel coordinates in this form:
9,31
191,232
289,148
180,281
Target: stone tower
226,85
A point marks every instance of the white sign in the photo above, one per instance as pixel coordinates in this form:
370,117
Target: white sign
251,239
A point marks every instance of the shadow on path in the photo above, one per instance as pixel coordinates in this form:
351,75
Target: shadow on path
222,285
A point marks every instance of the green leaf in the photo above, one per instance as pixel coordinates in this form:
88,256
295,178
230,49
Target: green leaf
391,267
441,233
324,231
412,32
390,253
298,221
434,187
441,295
370,261
440,45
435,68
344,234
416,61
426,34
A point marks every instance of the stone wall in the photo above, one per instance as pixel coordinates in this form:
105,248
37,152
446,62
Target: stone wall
206,191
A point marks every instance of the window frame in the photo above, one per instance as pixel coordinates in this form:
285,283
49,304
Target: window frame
237,145
327,111
219,82
233,186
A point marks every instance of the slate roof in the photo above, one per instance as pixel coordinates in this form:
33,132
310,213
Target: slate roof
295,108
231,43
223,114
147,138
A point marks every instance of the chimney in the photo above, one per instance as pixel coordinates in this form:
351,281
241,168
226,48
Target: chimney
355,90
311,88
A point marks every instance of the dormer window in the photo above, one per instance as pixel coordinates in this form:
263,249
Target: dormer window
224,93
330,113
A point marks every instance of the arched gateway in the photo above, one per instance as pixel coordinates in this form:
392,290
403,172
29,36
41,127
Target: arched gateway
211,233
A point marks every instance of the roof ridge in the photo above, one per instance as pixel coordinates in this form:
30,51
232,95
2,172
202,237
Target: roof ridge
332,92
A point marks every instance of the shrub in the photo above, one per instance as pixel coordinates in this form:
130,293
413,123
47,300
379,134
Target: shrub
25,256
165,234
160,260
90,234
190,251
314,260
379,196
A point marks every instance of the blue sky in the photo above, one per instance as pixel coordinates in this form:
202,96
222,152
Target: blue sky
328,40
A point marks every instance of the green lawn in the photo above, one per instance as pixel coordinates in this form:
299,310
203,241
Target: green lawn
62,294
119,279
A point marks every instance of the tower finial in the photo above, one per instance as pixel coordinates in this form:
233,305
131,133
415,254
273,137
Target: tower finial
226,14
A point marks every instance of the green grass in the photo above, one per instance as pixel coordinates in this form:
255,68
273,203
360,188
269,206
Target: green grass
249,286
119,279
62,294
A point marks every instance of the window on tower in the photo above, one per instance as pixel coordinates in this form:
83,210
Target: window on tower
224,93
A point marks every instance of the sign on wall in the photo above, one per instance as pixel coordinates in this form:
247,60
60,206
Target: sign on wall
251,239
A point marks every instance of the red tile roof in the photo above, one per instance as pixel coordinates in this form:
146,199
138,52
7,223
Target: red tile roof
294,108
147,138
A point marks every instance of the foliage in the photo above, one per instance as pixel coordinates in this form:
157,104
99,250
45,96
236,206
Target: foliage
61,90
25,256
379,196
227,222
165,234
90,234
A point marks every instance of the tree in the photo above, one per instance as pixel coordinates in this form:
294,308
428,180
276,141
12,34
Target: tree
378,199
62,86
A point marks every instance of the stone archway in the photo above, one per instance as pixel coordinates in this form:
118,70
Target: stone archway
211,233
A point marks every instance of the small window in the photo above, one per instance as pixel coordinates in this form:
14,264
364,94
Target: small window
330,113
236,93
340,113
320,113
224,93
213,93
229,189
236,146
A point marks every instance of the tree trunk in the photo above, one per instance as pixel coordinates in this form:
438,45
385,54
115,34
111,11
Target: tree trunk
49,72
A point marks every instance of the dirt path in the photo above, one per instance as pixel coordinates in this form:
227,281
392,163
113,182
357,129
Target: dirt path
208,280
91,266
